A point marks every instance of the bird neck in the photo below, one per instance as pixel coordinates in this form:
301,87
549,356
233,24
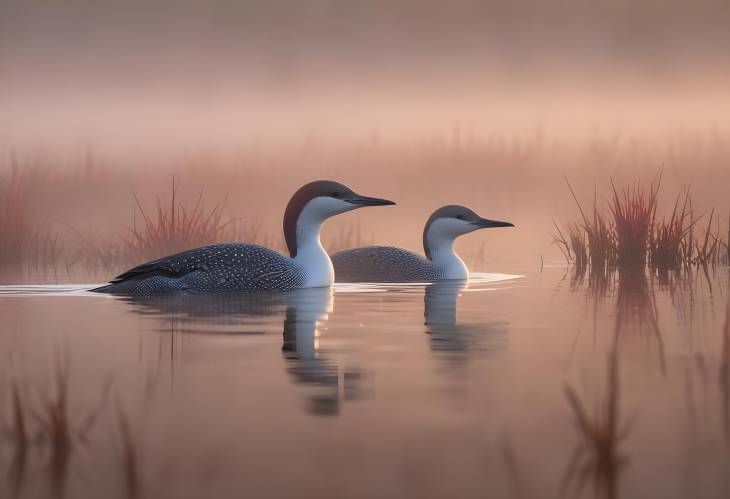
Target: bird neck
310,254
441,253
438,243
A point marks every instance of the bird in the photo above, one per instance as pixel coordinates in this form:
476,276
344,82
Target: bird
390,264
251,267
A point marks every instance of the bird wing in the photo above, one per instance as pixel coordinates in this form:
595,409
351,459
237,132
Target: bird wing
257,265
175,265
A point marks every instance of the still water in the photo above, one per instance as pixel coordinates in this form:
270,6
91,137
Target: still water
533,384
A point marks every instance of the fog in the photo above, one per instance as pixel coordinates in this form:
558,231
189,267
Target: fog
186,74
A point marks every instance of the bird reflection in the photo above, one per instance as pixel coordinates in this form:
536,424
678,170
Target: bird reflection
302,352
445,334
455,344
302,312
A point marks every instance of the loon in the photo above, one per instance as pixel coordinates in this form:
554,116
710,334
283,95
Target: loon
250,267
389,264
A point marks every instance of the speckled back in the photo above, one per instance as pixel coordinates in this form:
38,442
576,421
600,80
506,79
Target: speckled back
383,264
216,267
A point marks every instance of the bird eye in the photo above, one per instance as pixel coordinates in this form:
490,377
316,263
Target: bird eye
335,194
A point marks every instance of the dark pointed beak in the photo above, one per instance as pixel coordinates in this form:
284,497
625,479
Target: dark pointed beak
368,201
485,223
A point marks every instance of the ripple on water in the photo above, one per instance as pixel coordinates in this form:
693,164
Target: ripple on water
28,290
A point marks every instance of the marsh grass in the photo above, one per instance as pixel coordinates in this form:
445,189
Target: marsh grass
671,243
633,235
77,215
172,227
573,246
22,241
633,209
179,225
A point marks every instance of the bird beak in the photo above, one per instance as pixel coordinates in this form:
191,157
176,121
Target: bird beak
368,201
484,223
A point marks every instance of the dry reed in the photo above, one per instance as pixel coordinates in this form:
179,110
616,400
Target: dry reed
633,235
62,214
633,210
22,242
173,227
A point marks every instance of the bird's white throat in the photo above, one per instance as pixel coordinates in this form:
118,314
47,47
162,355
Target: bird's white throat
311,256
440,241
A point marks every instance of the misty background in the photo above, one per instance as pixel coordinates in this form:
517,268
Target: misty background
169,74
483,103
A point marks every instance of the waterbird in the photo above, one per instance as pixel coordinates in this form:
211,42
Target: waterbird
249,267
390,264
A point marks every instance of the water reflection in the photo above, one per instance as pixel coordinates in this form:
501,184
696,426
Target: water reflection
210,313
597,457
446,335
455,345
724,374
635,311
305,363
301,311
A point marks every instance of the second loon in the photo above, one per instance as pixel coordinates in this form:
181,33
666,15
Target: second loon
246,267
389,264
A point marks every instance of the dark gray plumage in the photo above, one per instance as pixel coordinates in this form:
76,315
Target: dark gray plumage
217,267
383,264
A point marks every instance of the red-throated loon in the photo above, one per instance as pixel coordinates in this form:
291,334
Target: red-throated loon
389,264
243,266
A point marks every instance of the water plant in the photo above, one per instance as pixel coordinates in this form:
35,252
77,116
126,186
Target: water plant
633,234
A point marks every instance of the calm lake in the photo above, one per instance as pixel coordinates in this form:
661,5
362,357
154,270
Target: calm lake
536,383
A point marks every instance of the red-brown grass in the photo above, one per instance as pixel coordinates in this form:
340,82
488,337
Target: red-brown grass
669,245
172,227
633,209
22,242
591,241
93,195
634,235
573,246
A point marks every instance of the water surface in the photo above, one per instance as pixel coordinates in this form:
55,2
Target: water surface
443,390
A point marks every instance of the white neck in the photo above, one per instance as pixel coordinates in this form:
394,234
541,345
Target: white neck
445,258
440,241
311,256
